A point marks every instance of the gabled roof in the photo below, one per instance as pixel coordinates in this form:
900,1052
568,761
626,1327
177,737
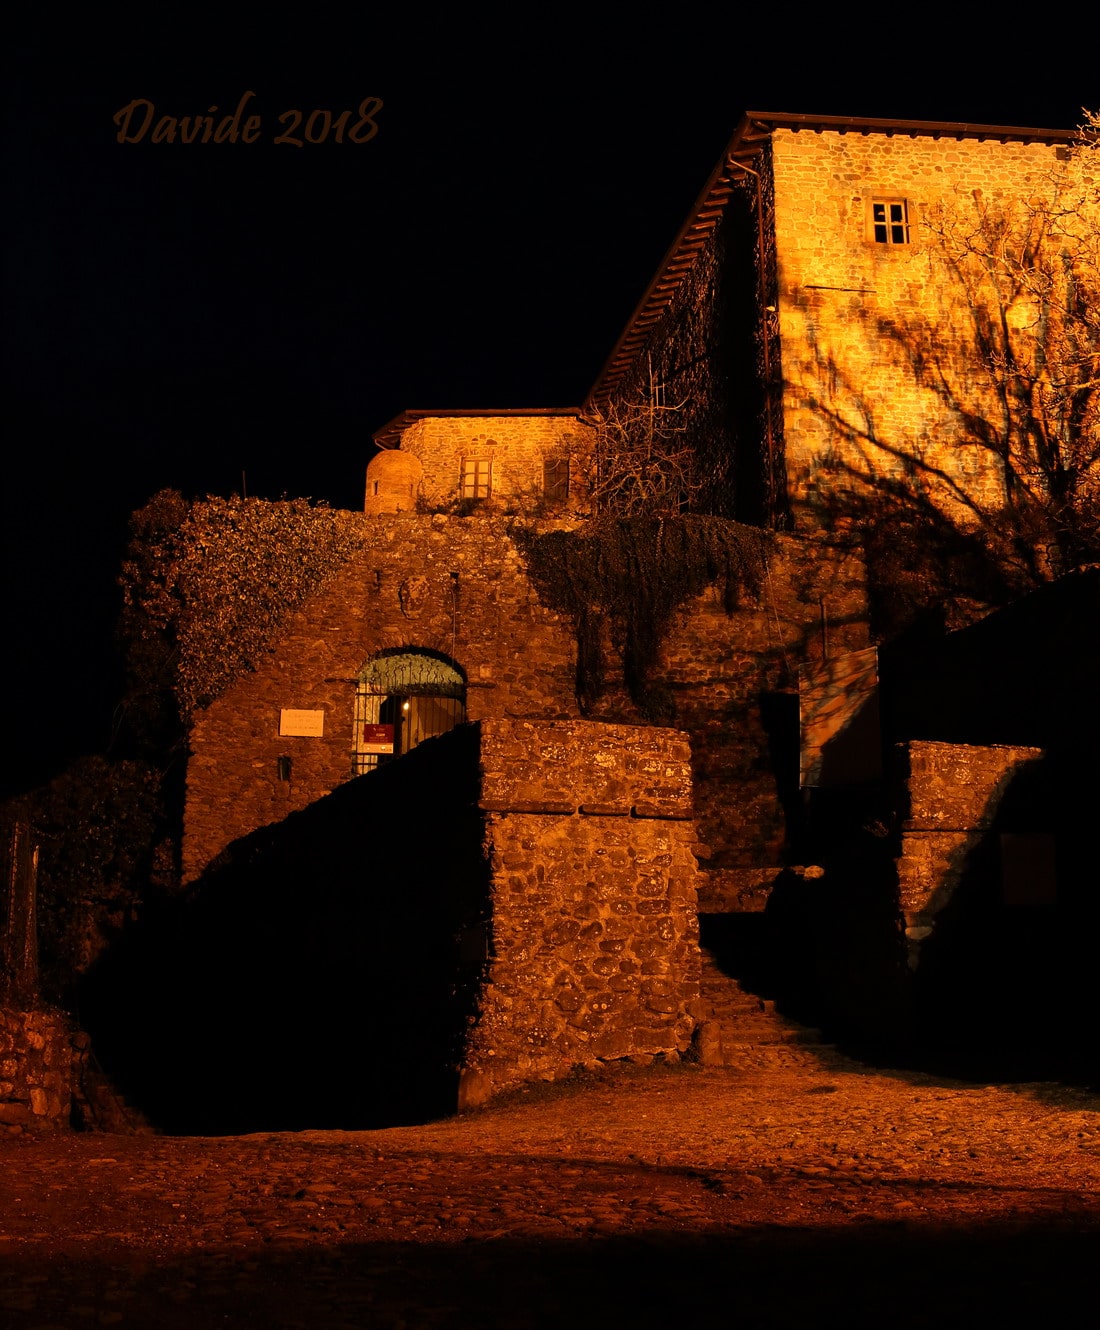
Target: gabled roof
753,131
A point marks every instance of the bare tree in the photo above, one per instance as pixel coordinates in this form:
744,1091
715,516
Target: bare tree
993,485
635,460
1030,271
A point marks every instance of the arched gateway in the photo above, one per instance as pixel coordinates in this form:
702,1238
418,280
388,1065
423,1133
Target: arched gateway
404,697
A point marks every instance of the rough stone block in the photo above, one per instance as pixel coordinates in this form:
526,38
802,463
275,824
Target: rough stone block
931,864
959,786
597,767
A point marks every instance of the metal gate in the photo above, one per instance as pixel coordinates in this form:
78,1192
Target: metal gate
401,700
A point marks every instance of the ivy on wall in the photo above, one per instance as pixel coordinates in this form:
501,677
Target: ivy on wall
101,832
625,577
207,585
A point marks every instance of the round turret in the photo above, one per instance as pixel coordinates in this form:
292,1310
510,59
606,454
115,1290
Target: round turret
393,482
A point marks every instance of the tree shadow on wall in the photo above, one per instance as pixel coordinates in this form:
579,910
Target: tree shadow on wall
988,483
322,971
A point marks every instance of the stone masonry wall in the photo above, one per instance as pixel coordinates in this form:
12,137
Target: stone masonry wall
878,345
512,899
36,1056
515,445
594,942
448,584
954,793
734,684
519,662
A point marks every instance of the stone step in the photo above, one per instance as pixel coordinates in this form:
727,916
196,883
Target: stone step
101,1106
727,1011
743,1029
737,1034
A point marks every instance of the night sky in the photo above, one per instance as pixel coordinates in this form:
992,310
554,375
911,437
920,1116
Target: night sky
177,314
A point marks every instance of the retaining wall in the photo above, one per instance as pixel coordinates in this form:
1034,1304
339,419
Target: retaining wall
36,1055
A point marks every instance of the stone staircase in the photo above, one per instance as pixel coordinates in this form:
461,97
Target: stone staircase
742,1030
97,1103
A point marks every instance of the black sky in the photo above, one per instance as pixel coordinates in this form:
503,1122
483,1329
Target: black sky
177,314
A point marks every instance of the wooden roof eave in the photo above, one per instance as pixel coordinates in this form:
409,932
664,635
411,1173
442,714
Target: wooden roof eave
681,254
753,131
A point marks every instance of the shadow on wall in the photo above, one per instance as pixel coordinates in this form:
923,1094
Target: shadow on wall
322,971
1004,988
1023,675
1006,985
835,941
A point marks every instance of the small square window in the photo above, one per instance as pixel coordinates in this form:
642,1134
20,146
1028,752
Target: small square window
476,480
889,221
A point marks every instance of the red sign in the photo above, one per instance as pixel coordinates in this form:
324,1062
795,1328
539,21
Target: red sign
377,739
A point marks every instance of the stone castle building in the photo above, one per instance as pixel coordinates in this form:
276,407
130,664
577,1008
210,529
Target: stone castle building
816,319
810,331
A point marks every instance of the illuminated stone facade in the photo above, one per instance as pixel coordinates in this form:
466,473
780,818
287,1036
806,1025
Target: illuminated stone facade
820,357
458,587
451,586
510,461
882,374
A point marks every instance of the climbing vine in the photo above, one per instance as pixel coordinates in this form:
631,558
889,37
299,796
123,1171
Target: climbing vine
629,576
102,835
207,585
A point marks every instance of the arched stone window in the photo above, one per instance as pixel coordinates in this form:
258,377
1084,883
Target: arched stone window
404,697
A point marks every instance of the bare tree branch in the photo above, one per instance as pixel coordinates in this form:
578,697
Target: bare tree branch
637,461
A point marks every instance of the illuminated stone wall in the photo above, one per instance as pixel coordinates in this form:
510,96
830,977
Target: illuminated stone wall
519,662
35,1071
446,584
594,943
954,794
515,446
879,359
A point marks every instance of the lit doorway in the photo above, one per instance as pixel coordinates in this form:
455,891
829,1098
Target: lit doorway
402,699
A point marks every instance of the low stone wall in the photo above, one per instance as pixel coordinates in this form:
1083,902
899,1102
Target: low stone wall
35,1071
594,936
503,903
954,792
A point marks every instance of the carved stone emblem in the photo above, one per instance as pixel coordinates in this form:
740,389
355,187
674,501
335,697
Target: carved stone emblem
412,594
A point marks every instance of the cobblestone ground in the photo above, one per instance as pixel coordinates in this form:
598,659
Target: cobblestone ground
804,1188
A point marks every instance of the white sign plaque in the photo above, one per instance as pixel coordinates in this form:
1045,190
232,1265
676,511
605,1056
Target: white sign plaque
301,723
